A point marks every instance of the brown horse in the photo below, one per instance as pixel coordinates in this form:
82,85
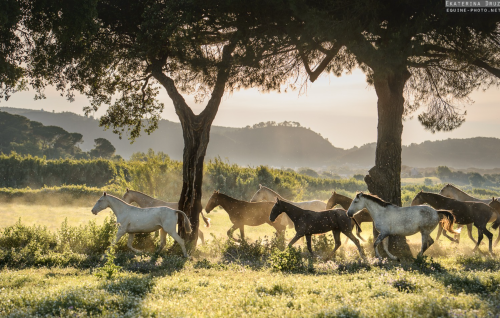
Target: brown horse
309,222
453,192
243,213
145,201
465,213
360,217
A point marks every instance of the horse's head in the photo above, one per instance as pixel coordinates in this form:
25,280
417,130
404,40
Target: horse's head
418,199
127,197
213,202
101,204
357,205
447,191
276,210
262,195
332,201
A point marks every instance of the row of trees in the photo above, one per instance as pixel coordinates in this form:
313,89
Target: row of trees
120,53
26,137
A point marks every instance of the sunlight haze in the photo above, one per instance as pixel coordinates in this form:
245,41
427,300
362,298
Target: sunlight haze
341,109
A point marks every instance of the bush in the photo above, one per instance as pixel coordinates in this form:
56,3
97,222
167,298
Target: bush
289,260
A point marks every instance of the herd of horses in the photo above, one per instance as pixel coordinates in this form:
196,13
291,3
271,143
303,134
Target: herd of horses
451,206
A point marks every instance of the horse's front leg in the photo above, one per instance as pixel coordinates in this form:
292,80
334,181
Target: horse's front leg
130,241
201,236
231,230
356,242
379,239
294,239
242,232
309,244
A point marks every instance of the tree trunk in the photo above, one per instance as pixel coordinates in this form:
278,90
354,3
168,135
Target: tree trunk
384,179
196,133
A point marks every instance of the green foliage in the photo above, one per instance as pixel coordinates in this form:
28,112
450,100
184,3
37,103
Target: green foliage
109,269
19,172
289,260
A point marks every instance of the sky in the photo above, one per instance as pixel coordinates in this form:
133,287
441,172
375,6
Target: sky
343,109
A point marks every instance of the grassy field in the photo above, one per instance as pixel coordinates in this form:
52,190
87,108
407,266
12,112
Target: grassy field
232,280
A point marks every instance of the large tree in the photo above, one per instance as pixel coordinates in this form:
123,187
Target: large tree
121,53
413,53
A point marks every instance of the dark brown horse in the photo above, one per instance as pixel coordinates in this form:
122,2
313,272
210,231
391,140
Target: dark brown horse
243,213
308,223
360,217
465,213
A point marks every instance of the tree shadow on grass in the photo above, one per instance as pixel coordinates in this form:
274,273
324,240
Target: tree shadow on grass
121,296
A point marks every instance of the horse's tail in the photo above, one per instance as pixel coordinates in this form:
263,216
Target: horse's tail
497,221
187,223
358,228
205,219
447,220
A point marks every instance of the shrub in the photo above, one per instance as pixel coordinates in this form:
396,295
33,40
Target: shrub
289,260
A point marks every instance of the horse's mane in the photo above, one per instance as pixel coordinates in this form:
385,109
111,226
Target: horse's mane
227,196
341,195
376,199
456,188
141,193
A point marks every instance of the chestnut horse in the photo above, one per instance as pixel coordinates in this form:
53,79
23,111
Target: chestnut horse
243,213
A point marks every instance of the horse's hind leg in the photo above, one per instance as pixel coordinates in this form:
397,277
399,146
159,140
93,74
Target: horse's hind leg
336,237
427,241
440,230
498,238
130,241
231,230
379,239
385,243
163,240
356,242
469,232
179,240
479,238
201,236
358,232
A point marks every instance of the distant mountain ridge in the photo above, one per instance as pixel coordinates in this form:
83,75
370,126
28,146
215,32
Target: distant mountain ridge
277,145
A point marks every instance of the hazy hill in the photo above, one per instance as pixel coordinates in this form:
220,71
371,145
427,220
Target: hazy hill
277,146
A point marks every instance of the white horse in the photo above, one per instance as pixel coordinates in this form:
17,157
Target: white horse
137,220
266,194
390,219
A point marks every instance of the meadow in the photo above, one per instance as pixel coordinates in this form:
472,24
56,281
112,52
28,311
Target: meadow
56,270
54,262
